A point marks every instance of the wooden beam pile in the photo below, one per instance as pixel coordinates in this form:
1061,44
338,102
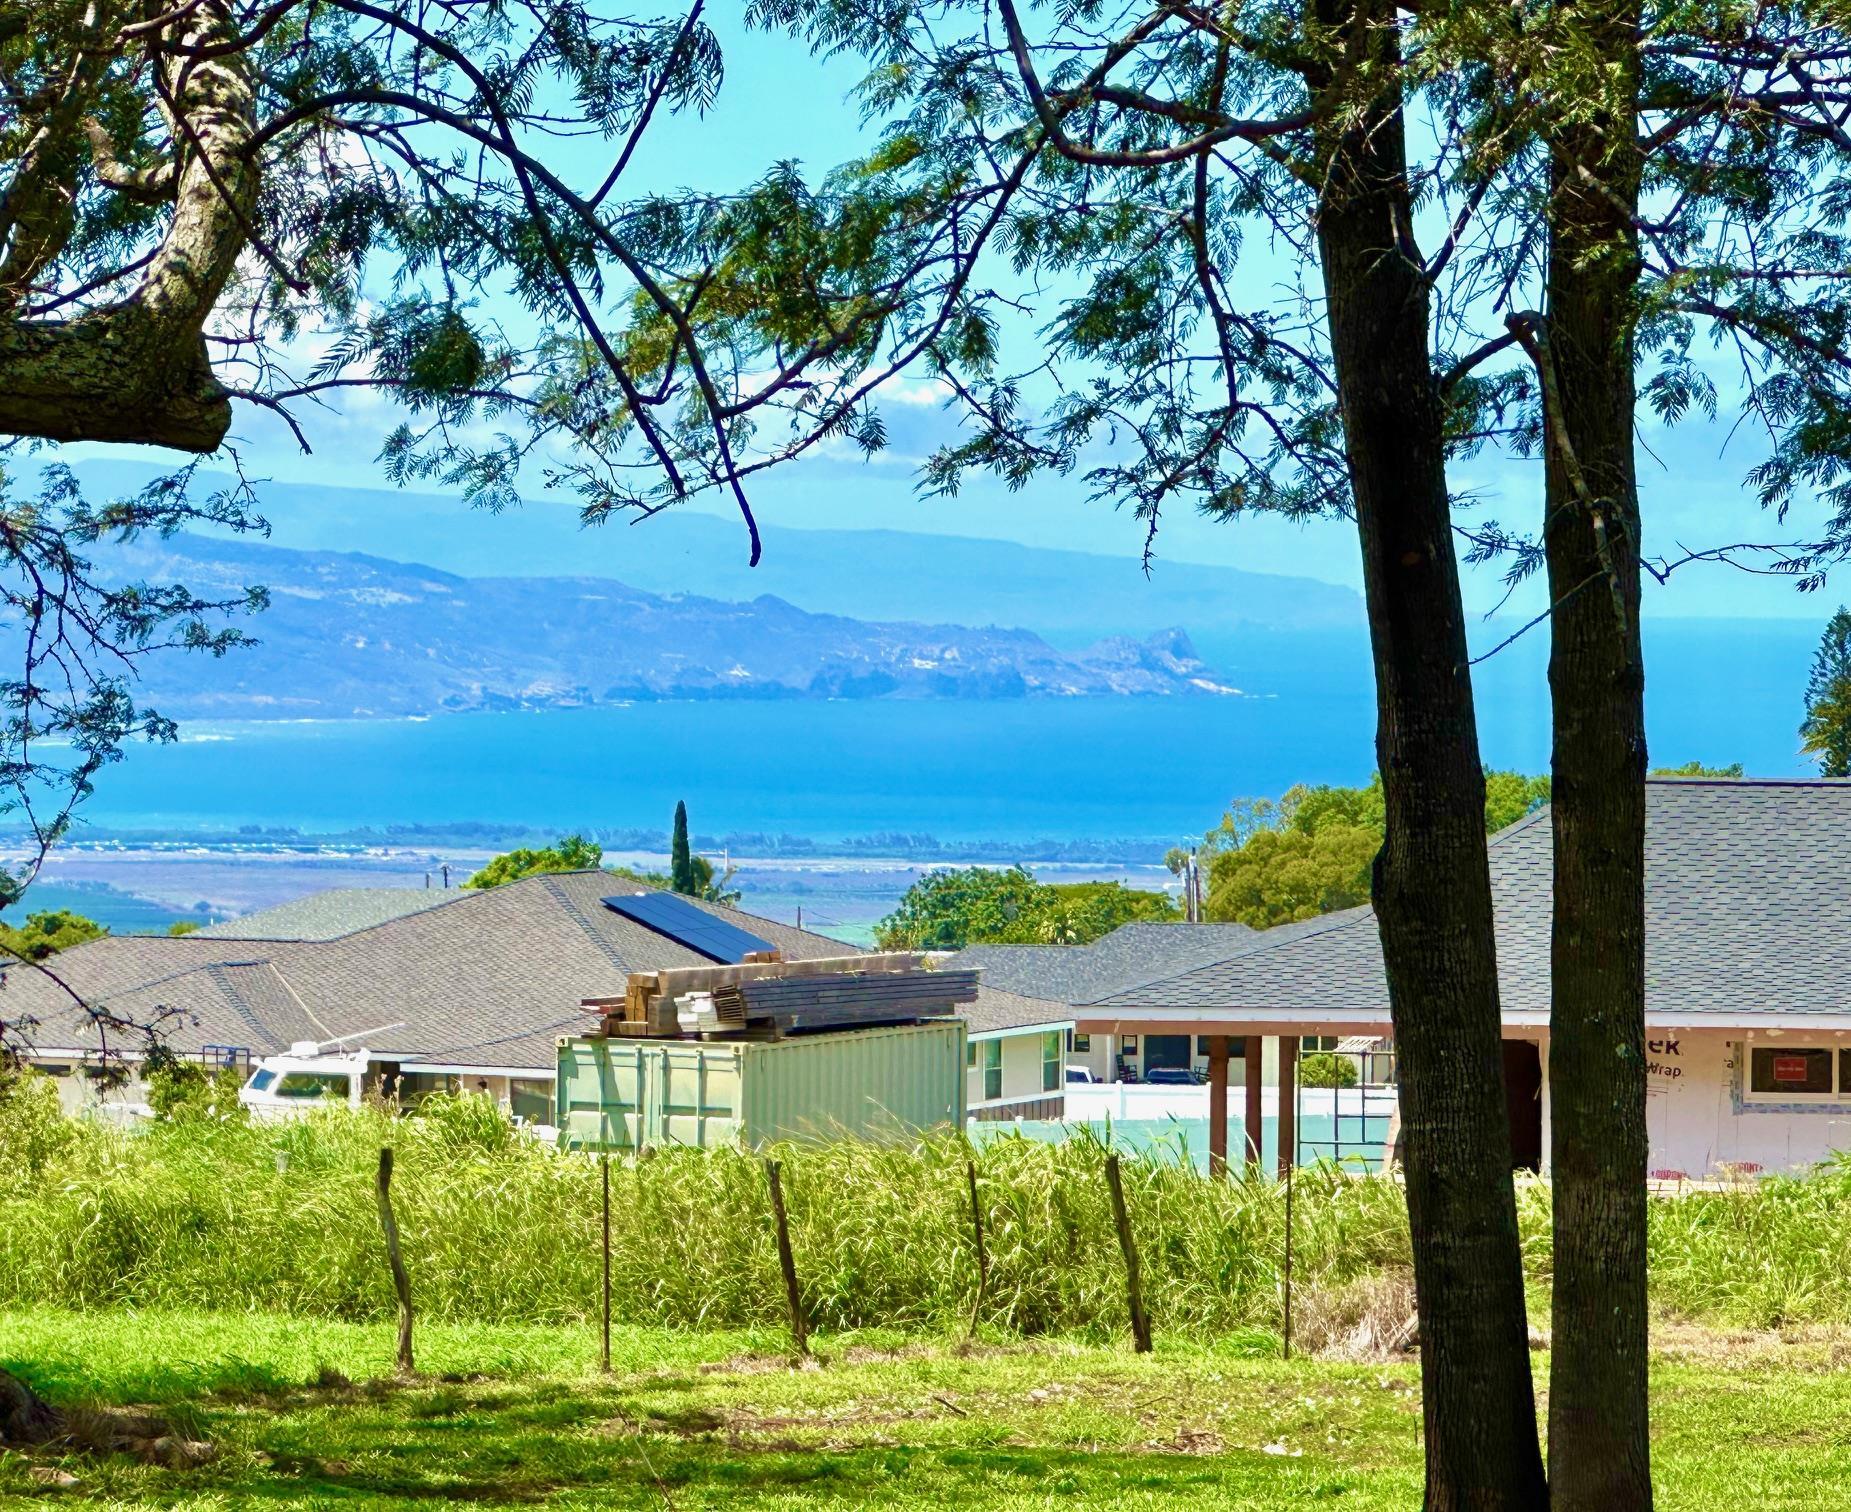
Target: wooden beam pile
769,999
843,1000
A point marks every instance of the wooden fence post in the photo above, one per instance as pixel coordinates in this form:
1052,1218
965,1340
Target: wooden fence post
793,1293
604,1356
401,1283
1134,1284
1288,1262
983,1254
1217,1105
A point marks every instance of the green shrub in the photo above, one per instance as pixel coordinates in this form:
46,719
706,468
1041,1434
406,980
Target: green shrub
184,1091
33,1129
1322,1069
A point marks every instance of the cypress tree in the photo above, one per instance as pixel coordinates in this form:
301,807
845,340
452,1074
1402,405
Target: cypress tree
1827,727
680,860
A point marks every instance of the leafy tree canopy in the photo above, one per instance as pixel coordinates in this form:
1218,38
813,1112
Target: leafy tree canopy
1310,851
44,934
576,853
1698,769
572,853
976,905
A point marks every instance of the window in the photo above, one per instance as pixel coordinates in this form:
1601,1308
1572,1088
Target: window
992,1069
970,1055
261,1081
1782,1073
314,1084
1050,1062
1315,1042
1128,1043
1201,1045
531,1099
1079,1043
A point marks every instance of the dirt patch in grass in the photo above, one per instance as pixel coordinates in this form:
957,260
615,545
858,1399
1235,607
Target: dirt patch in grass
1367,1322
1810,1348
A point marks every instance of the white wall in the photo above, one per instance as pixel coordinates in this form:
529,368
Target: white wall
1697,1121
1021,1070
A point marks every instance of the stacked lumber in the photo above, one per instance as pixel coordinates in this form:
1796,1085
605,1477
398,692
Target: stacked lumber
843,1000
773,998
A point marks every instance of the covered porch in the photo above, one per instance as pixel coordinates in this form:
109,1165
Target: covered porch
1244,1072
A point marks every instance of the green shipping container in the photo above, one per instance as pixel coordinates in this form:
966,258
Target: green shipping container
624,1094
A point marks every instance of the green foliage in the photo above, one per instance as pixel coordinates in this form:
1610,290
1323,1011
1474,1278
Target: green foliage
44,934
572,853
279,1216
680,861
1284,875
1698,769
34,1133
1510,796
976,905
576,853
1322,1069
1826,732
1311,852
895,1422
186,1214
183,1091
181,927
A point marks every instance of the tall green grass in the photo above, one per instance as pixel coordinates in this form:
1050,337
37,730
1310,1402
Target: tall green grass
500,1229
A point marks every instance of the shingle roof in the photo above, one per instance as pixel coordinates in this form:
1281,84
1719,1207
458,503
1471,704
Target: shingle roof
1748,912
1130,954
488,978
997,1011
329,914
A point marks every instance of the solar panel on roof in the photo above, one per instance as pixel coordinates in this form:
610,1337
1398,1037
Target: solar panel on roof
679,920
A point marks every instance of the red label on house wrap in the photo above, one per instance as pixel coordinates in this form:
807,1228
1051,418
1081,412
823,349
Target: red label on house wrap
1790,1068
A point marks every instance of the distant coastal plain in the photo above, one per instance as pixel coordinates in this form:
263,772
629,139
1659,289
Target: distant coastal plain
142,889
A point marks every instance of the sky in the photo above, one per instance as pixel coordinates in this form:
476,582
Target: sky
1691,491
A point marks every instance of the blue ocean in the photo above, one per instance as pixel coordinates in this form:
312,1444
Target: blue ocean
957,770
1023,770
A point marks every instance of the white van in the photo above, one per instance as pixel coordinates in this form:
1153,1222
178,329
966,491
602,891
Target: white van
308,1076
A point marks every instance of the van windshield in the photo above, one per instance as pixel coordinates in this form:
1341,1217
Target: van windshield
312,1084
261,1081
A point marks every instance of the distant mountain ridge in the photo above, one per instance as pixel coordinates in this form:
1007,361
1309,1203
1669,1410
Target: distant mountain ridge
349,635
1072,597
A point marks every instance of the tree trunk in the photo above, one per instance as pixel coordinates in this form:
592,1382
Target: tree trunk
138,371
1432,887
1598,1430
113,376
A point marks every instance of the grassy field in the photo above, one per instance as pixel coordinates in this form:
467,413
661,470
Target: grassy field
499,1229
304,1416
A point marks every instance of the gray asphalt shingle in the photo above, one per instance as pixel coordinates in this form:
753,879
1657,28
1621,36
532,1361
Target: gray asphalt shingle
329,914
488,978
1130,954
996,1010
1748,911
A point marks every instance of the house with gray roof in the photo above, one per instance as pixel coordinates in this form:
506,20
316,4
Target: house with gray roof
1748,977
476,986
1015,1054
1074,976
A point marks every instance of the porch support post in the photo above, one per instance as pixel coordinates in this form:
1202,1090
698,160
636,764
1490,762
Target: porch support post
1217,1105
1256,1126
1288,1102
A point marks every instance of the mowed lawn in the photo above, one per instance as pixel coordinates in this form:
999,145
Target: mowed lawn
304,1414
